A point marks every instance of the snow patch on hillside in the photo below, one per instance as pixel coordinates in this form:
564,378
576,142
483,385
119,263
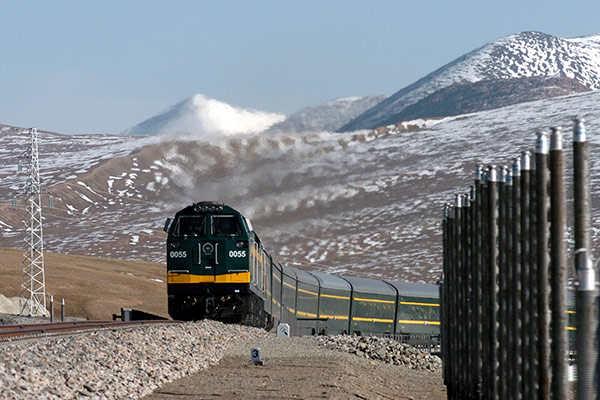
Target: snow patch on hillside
206,118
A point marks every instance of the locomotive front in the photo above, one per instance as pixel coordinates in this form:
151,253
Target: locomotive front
208,255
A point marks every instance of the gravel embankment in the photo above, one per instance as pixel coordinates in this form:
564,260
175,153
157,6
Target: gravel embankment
385,350
125,363
300,368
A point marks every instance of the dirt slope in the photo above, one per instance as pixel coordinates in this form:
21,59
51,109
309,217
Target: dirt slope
93,288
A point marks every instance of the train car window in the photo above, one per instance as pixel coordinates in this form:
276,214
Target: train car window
225,225
189,225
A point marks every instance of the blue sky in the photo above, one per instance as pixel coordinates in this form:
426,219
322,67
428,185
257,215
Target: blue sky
103,66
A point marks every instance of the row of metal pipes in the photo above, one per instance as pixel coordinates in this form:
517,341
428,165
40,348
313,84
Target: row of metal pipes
504,288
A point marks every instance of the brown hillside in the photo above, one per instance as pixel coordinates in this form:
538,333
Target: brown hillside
93,288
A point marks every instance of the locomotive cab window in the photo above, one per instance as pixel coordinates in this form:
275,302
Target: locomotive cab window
189,225
225,225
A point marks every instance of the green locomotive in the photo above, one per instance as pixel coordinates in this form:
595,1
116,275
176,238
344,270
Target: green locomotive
218,268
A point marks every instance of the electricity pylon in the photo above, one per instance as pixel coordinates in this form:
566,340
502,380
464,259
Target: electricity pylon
33,282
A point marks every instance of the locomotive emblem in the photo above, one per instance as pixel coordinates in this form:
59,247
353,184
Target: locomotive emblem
208,249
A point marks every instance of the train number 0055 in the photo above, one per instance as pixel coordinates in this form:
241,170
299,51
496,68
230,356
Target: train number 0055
237,253
178,254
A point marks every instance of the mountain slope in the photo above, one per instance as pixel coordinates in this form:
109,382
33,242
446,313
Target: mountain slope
328,116
362,203
468,97
526,54
202,117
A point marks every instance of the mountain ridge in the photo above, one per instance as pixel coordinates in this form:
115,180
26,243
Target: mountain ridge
524,54
328,116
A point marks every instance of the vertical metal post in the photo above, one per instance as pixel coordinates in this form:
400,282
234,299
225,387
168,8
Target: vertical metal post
525,252
455,299
542,181
532,288
443,299
501,283
467,291
492,267
486,339
450,308
473,294
508,274
559,385
586,316
459,207
51,308
477,282
517,378
62,309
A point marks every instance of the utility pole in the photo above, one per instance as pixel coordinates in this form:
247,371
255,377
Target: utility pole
33,282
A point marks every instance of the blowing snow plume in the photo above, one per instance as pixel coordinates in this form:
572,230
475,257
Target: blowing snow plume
204,118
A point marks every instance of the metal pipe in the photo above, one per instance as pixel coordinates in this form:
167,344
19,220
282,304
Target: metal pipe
443,299
525,252
542,181
477,283
508,274
501,279
472,293
581,186
492,267
449,287
467,290
532,288
51,308
516,282
558,282
586,312
456,297
486,372
460,285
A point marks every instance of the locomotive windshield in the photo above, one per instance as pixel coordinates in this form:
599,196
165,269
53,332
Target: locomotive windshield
189,225
225,225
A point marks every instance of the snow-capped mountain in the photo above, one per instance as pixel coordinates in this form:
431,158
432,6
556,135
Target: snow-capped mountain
522,55
204,118
329,116
366,203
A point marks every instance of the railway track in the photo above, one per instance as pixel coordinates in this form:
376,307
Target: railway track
12,333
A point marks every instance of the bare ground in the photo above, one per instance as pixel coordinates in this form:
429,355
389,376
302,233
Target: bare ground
297,368
93,287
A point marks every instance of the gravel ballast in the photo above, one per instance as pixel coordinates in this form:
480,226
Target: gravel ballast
299,368
116,363
383,349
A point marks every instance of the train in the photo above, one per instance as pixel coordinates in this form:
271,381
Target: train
218,268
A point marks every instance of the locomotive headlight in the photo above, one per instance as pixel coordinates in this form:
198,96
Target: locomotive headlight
241,244
174,245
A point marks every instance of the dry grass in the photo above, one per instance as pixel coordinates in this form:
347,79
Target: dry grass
93,288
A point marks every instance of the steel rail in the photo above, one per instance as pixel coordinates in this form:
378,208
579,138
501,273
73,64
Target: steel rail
12,333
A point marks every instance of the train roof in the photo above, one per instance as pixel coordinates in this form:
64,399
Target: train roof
305,277
331,281
416,289
370,285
